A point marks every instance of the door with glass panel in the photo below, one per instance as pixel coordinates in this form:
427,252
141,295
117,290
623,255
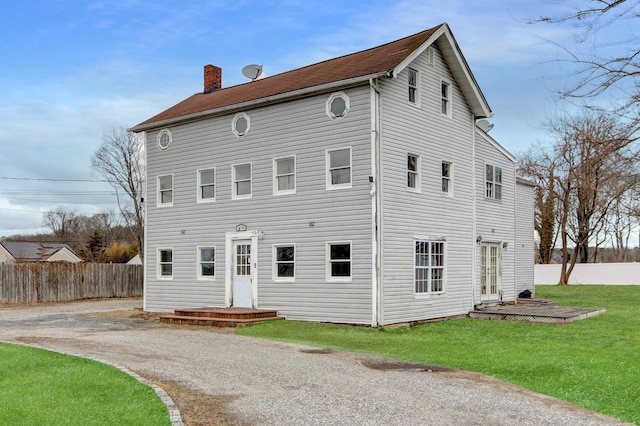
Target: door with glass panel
242,283
490,271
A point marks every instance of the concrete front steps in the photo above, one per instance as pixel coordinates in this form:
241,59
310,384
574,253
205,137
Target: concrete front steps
220,317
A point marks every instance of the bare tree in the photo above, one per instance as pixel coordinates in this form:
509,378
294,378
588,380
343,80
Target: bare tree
119,159
602,64
539,167
591,164
60,222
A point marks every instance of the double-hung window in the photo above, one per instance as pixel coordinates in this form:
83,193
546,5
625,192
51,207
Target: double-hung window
445,98
429,266
284,176
206,185
413,81
284,262
493,182
339,168
447,183
165,263
413,172
241,181
206,262
165,190
339,261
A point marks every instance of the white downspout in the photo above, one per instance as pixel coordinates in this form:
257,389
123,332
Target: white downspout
145,253
474,235
376,297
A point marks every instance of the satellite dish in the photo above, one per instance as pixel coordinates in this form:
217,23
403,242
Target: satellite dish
253,72
484,125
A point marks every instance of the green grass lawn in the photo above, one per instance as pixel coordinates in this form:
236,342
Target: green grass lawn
594,363
39,387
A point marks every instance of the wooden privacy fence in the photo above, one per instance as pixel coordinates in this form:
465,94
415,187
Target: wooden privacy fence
60,282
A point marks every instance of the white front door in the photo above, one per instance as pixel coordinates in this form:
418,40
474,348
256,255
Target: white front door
490,271
242,285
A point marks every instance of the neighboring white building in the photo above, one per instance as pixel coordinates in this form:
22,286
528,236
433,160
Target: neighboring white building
356,190
27,251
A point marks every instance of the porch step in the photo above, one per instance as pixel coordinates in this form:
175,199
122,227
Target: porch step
219,317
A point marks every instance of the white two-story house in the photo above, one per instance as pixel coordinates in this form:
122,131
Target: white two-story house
355,190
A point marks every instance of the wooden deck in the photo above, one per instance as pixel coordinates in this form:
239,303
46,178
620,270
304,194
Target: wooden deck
220,317
540,313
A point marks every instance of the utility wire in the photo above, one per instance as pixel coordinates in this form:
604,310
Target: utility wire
54,179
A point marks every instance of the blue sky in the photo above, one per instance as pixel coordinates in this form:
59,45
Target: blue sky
73,70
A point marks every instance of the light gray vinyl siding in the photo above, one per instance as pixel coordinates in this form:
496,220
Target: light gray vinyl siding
297,128
425,131
525,244
495,220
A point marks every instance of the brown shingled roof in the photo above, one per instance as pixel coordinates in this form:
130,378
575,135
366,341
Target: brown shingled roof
377,60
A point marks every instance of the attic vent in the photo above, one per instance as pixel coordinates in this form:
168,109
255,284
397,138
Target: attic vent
431,56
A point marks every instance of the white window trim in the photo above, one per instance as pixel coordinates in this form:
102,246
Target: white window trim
199,263
449,112
484,179
418,99
430,293
450,192
418,173
234,195
276,191
163,132
347,103
331,186
328,263
215,184
158,193
159,264
275,276
233,124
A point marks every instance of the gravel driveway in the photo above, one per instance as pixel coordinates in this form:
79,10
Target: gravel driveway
263,382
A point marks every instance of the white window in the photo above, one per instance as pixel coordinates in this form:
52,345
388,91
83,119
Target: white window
165,263
339,168
445,96
413,78
240,124
447,175
339,261
206,185
493,182
206,262
413,172
284,176
164,139
241,181
338,105
429,266
284,262
165,190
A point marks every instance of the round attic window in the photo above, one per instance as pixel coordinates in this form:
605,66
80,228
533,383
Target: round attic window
240,124
337,105
164,139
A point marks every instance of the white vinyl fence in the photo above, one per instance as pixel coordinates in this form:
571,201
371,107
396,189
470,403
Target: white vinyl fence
591,273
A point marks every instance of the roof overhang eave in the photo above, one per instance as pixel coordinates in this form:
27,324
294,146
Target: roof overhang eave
280,97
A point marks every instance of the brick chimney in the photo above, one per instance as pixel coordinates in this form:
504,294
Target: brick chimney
212,78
